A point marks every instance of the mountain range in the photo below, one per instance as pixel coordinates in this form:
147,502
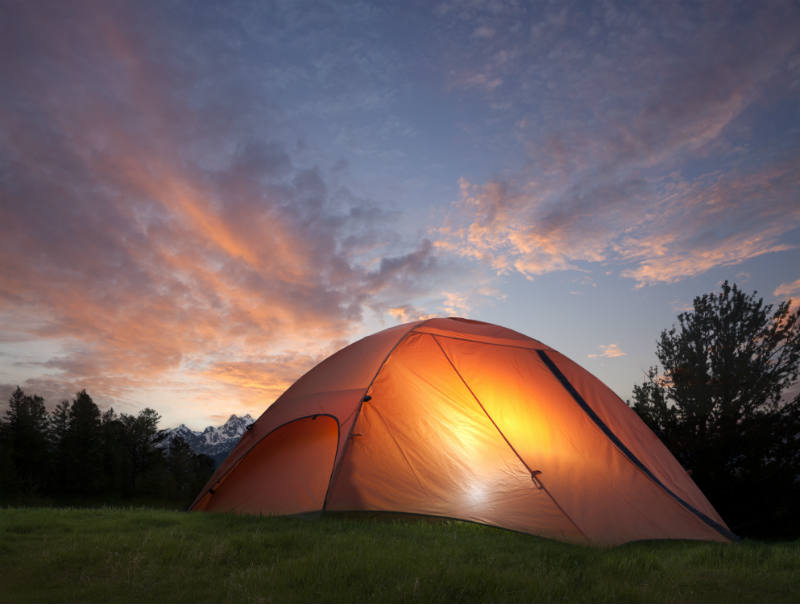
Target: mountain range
214,441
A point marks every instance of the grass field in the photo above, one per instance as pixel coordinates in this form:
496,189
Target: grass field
146,555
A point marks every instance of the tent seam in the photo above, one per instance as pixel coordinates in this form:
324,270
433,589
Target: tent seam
524,463
477,341
337,465
379,415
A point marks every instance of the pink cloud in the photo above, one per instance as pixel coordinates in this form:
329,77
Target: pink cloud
610,351
640,152
162,241
407,312
621,189
663,233
787,289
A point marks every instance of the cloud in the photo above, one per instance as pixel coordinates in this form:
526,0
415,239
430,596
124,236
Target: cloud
483,31
481,80
663,232
455,304
403,270
255,383
787,289
407,313
492,292
159,228
450,303
664,174
610,351
791,291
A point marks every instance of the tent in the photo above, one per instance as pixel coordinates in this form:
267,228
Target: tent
462,419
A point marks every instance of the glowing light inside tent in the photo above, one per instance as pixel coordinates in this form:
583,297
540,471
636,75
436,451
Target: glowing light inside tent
476,493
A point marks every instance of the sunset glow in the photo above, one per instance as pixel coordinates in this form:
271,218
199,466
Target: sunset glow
202,201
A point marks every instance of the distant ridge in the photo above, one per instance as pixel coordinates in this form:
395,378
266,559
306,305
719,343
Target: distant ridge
214,441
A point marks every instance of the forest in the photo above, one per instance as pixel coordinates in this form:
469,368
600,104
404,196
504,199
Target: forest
78,455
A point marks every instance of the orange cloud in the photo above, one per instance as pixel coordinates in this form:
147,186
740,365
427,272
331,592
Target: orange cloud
657,233
611,351
407,312
160,244
789,290
255,384
662,176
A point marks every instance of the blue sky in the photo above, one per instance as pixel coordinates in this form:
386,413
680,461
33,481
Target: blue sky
202,200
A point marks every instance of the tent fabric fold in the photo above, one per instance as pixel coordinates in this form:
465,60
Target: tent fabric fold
462,419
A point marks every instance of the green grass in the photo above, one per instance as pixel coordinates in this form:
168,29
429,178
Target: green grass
145,555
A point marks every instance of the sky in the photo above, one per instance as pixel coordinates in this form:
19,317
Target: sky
200,201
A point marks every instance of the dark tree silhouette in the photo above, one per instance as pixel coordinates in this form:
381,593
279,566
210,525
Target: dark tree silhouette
116,463
141,435
77,455
189,470
720,403
23,445
83,447
57,436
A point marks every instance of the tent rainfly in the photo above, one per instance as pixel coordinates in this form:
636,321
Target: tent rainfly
462,419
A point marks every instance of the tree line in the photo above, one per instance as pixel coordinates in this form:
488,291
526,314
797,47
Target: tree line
77,455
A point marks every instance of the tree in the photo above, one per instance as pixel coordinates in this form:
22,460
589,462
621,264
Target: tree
57,435
23,440
721,403
116,466
83,447
140,434
76,454
59,423
181,464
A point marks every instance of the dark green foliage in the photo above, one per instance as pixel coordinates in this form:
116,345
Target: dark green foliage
721,405
140,555
78,455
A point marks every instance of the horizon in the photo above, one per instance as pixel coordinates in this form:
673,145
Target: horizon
201,202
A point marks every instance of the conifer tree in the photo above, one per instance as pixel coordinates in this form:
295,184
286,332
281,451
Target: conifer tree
83,447
24,444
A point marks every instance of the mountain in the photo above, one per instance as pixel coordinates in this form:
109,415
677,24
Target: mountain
214,441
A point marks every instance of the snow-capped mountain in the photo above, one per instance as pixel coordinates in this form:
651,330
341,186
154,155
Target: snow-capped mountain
214,441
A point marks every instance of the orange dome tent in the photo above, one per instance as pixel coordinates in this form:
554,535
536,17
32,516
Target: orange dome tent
463,419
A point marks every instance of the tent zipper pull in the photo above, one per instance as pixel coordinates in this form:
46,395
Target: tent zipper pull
535,478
